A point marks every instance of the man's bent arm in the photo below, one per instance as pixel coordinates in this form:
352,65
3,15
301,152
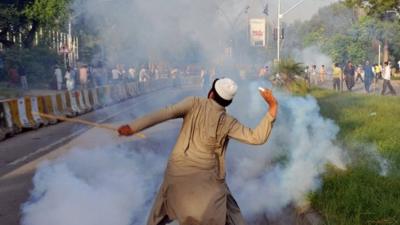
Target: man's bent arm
178,110
257,136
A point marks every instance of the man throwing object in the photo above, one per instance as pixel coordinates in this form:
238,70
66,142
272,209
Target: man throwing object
194,191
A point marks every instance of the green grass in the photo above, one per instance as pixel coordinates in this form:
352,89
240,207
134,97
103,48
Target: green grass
360,195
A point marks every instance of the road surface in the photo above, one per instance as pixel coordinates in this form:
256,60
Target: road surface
21,155
375,89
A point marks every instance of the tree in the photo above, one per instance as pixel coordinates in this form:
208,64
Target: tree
377,8
26,16
289,72
343,36
8,19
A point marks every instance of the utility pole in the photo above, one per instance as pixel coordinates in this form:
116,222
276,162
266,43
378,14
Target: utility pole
278,49
280,16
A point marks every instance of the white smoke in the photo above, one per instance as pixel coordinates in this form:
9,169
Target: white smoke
102,186
286,169
137,31
117,185
312,56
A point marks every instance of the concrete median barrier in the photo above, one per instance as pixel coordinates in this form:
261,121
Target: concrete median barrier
33,111
25,120
80,102
62,105
17,114
6,124
46,106
72,105
116,93
106,95
11,108
94,98
86,99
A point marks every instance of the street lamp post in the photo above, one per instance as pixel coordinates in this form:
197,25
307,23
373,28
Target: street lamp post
280,16
278,38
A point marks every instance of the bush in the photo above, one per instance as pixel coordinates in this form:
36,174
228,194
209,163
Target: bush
38,63
290,76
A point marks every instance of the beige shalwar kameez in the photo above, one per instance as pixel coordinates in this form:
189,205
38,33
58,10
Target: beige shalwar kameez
194,191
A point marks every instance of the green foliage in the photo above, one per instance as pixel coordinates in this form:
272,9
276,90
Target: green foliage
289,71
48,12
376,8
343,36
361,195
38,63
25,17
8,15
289,67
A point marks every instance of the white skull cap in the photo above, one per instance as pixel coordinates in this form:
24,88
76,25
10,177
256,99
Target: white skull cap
226,88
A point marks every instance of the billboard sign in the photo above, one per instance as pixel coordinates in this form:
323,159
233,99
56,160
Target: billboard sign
257,32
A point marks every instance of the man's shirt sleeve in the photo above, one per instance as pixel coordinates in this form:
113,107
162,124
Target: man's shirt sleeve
178,110
257,136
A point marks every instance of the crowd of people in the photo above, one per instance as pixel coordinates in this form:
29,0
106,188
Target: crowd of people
83,75
347,76
86,76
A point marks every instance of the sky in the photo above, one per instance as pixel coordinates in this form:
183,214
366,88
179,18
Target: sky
303,12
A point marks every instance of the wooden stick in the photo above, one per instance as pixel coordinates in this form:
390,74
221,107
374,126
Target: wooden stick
75,120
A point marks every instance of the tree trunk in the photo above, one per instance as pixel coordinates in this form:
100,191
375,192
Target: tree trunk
30,37
386,51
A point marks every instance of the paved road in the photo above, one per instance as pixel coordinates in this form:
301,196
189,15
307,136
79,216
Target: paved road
359,87
22,154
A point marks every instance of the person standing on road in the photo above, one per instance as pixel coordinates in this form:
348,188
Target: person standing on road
156,73
368,76
143,75
307,76
313,75
132,73
349,75
59,77
13,76
205,78
69,79
378,71
387,73
337,76
97,75
83,76
194,190
116,75
359,74
322,74
23,77
398,66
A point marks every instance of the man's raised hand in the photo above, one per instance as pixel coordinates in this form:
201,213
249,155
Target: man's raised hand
125,130
270,99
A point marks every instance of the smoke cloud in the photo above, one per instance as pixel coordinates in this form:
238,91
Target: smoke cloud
116,183
102,186
177,30
290,165
312,56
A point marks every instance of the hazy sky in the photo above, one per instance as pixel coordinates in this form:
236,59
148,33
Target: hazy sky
303,12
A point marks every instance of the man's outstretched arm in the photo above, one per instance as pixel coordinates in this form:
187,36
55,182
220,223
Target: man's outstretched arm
260,134
178,110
